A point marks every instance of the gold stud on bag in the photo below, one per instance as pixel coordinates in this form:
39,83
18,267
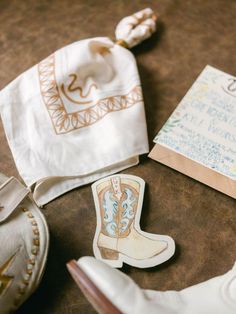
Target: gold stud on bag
24,240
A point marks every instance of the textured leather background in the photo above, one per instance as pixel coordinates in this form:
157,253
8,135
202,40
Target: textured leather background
190,35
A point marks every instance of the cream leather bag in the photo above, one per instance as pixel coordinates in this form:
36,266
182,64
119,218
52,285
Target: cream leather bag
24,242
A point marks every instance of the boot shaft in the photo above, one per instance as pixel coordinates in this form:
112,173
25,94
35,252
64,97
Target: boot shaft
118,201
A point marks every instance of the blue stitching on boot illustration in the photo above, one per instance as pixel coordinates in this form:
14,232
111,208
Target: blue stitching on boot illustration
128,213
110,206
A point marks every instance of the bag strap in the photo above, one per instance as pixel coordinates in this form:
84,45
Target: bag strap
12,193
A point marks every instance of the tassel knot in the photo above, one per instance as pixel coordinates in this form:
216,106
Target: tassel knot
133,29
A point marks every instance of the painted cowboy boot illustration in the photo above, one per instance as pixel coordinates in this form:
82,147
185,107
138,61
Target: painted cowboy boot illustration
118,237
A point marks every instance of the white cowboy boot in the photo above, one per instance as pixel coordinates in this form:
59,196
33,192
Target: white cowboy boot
112,292
118,238
23,244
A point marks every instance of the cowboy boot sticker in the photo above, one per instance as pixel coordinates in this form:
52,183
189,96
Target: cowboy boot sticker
118,238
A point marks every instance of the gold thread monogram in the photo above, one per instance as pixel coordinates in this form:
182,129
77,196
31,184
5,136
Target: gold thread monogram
72,88
64,122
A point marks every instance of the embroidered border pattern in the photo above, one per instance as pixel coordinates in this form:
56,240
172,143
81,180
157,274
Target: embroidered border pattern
64,122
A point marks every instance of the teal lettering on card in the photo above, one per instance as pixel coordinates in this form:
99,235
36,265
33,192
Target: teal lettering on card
203,126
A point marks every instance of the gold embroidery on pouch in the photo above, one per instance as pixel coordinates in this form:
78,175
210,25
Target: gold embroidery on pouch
64,122
5,280
72,88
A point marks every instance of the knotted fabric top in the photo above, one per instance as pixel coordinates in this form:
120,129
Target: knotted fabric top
135,28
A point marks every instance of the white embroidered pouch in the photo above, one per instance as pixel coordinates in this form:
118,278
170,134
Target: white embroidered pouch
78,115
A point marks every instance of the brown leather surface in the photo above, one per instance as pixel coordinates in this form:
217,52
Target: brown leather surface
202,221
